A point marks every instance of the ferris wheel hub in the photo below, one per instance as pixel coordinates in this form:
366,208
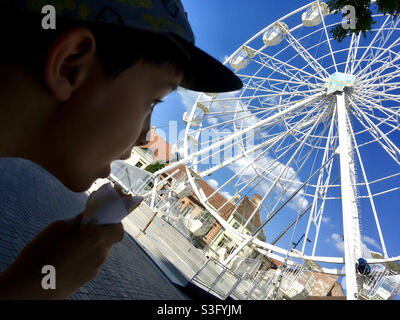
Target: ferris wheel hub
338,81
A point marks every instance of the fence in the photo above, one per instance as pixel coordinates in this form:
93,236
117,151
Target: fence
216,278
379,284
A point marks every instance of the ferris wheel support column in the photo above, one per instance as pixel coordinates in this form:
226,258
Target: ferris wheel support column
351,226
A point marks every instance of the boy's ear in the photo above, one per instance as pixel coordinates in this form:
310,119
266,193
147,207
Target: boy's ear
69,62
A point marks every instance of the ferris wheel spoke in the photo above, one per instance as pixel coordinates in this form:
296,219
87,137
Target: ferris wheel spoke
379,73
370,197
391,121
386,121
327,36
216,153
252,97
310,60
263,174
231,146
264,170
283,195
352,53
247,116
269,143
273,214
375,75
288,164
275,96
238,139
389,97
362,75
372,88
329,146
382,109
321,211
275,65
372,42
225,112
391,145
374,132
284,81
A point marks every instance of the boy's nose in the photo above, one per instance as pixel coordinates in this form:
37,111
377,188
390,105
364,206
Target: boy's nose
144,138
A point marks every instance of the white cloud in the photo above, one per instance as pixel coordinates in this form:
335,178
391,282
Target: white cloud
262,184
188,97
226,195
213,183
365,251
372,242
326,220
337,241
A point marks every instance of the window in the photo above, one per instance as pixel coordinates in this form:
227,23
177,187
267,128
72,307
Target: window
204,217
223,241
236,225
139,164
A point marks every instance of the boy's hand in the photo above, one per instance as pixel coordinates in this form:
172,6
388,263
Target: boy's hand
76,252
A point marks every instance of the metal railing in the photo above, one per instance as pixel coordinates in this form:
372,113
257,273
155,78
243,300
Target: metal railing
379,284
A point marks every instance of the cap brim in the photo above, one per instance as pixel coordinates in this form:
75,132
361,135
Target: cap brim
204,73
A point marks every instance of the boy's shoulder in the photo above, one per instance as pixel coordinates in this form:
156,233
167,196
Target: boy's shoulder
30,199
29,192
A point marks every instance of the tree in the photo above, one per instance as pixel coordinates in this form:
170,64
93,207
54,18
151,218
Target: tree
155,166
364,19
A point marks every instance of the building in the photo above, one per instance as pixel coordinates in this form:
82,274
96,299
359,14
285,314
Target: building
221,241
207,232
156,150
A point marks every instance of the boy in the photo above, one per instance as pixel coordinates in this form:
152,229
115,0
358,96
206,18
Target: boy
77,97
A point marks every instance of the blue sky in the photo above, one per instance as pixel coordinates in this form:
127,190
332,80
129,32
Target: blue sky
220,27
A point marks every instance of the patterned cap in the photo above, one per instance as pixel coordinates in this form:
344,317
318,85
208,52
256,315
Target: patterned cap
166,17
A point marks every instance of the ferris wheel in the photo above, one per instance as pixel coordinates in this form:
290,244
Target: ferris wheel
314,133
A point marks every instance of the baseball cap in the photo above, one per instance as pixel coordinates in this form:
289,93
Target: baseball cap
165,17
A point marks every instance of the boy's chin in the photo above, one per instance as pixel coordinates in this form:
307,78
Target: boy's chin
79,185
81,180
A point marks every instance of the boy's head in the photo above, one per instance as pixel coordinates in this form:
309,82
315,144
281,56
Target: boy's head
83,93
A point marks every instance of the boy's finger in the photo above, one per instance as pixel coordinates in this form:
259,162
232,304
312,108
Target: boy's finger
75,222
77,219
113,233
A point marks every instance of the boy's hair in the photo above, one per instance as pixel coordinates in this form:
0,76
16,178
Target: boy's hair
25,43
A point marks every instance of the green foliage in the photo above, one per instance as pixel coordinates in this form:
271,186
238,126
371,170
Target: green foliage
364,21
155,166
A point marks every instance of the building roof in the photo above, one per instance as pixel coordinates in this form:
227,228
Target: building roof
327,285
160,149
217,200
246,207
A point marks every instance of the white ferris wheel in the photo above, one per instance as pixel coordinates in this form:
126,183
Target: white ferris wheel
314,132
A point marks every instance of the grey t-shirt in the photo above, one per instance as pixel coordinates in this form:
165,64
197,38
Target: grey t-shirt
30,199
